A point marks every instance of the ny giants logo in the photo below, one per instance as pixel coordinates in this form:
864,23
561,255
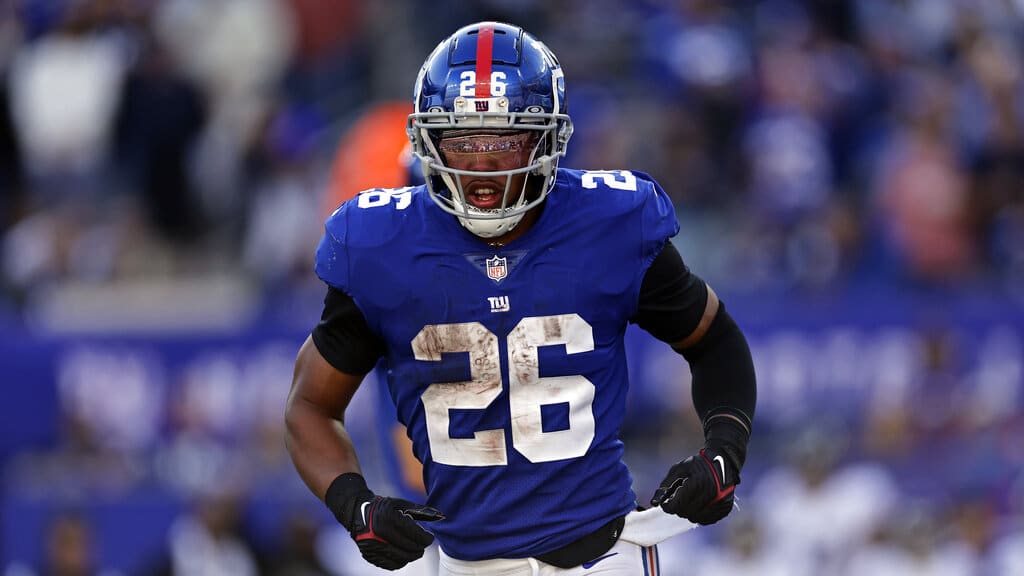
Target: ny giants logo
499,303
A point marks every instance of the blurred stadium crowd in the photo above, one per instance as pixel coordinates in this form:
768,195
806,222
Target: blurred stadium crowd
849,174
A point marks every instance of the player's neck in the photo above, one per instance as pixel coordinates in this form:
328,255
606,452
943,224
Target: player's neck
524,225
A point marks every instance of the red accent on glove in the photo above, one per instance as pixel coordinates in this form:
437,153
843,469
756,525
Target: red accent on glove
719,492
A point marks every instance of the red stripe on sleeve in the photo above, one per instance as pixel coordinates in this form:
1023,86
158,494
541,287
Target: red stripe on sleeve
484,51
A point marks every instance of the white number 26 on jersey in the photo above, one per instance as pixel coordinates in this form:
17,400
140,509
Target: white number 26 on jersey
527,392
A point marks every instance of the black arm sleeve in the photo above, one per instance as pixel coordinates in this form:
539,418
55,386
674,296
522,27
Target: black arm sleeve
344,338
672,302
724,385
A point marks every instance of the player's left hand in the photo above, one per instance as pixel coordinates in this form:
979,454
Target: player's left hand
699,488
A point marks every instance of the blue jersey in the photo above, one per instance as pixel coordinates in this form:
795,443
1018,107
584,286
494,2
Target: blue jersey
507,364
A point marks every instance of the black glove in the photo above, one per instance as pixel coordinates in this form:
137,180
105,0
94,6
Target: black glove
699,488
384,528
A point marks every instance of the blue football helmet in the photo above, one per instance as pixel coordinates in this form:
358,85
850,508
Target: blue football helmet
497,79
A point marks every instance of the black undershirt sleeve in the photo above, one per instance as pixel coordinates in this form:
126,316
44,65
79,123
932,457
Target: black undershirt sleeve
671,305
344,338
672,298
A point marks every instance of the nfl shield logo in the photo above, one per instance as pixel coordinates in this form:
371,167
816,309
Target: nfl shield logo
497,268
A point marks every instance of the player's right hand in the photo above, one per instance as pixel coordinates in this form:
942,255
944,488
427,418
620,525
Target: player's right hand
384,528
387,534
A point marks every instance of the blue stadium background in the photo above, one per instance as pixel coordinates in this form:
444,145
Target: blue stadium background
849,176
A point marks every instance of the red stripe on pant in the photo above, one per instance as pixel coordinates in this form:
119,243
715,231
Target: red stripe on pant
651,567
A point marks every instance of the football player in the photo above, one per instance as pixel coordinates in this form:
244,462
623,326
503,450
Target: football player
497,295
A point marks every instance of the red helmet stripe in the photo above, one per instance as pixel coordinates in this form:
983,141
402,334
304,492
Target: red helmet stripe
484,51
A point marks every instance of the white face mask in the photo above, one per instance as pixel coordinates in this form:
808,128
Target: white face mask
461,150
491,201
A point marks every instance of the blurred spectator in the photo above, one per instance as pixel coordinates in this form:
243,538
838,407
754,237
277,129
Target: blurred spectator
912,544
208,541
160,118
237,52
64,94
786,146
70,550
974,521
298,555
698,46
745,551
923,194
991,123
325,28
816,509
286,193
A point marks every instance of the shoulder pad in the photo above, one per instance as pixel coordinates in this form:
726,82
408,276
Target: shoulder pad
370,219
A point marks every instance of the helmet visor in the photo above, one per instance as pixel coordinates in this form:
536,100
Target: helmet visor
508,150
